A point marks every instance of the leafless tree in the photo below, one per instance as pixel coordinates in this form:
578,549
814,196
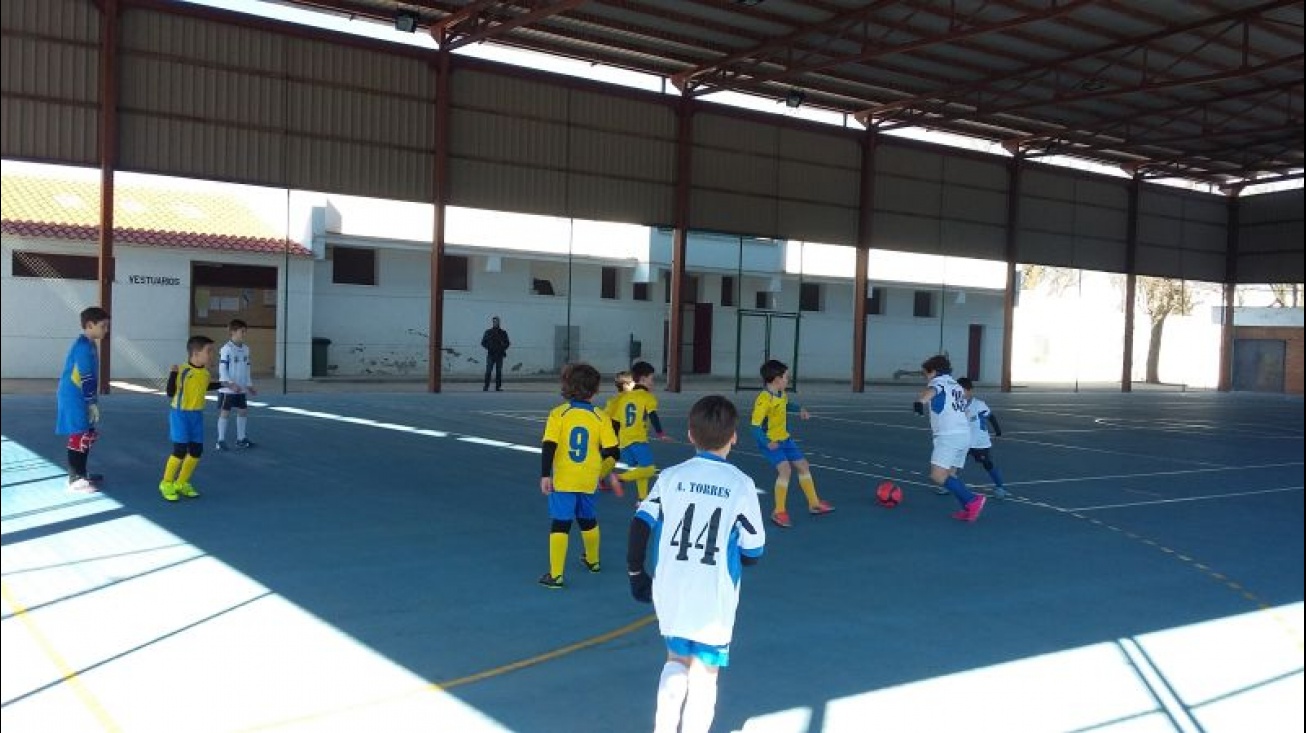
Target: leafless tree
1162,297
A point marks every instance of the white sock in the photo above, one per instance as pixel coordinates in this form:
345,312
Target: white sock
700,700
222,428
240,426
671,697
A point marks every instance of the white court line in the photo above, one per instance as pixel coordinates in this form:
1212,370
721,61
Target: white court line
1106,451
1204,497
896,472
1107,477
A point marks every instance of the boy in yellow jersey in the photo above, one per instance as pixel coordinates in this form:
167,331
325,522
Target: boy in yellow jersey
633,411
623,382
772,435
187,384
578,438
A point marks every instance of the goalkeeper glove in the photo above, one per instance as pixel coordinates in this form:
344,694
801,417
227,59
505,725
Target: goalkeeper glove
918,408
641,587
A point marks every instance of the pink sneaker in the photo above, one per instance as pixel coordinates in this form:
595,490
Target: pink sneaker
781,519
972,510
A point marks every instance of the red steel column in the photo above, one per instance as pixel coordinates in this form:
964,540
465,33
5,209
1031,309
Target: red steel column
108,139
865,214
1131,284
680,236
440,198
1009,298
1230,285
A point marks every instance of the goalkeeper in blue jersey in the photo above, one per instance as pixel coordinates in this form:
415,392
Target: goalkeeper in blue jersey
78,395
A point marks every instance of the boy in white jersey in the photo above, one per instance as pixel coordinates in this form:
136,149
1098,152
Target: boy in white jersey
234,376
707,524
983,425
946,403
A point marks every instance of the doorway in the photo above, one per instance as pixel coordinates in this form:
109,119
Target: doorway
1258,365
764,335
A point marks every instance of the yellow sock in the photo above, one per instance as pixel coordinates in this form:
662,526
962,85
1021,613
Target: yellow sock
606,467
637,473
557,553
640,475
590,538
781,493
170,469
808,486
187,469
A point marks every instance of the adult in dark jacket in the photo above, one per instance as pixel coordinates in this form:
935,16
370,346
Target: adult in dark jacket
495,342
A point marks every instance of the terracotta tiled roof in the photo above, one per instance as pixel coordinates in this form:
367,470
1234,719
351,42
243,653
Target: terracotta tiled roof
41,206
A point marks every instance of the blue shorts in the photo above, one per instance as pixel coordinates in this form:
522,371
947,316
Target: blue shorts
565,506
231,401
186,426
717,656
786,450
637,454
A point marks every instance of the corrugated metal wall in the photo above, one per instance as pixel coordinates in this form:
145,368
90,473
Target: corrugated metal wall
939,204
49,80
207,99
1073,220
1270,234
211,95
518,145
1181,235
757,177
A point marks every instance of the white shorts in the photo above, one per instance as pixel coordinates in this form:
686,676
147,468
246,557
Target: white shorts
950,450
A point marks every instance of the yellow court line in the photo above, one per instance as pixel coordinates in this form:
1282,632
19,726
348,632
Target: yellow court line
467,680
66,672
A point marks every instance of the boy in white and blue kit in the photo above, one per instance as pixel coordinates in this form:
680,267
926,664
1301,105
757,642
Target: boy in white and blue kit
234,376
983,425
706,524
946,403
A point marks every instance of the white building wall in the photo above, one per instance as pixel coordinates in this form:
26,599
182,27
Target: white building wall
151,320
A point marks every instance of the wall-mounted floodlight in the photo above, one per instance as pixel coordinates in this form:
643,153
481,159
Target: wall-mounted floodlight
406,22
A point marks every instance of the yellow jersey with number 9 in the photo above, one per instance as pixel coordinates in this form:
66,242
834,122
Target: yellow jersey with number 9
581,432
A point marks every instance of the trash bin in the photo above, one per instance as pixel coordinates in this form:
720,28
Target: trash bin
320,356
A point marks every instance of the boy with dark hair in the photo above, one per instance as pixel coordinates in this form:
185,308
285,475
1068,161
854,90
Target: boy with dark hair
568,476
77,413
633,411
771,432
946,402
707,524
187,384
983,426
234,376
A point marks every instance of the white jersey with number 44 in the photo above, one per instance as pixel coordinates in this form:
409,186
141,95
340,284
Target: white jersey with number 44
705,515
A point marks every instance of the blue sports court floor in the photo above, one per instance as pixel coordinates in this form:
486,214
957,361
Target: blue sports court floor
371,566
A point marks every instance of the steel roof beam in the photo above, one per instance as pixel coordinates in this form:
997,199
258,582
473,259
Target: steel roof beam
724,72
972,96
486,19
1131,127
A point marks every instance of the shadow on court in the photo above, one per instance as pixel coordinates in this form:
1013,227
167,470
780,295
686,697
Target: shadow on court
371,565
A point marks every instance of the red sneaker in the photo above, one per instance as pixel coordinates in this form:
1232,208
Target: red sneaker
781,519
614,485
822,507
